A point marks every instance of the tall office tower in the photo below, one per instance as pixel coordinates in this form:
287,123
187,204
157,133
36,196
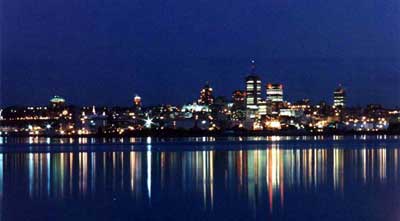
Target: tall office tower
339,97
275,92
253,89
206,95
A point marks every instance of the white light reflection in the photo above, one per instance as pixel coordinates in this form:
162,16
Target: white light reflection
148,141
83,172
263,176
48,173
148,156
338,169
133,170
204,178
31,171
364,164
93,171
382,164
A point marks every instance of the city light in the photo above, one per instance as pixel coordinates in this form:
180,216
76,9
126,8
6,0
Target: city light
148,122
248,109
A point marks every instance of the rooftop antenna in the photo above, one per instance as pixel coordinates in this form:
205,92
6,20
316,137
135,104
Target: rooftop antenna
253,66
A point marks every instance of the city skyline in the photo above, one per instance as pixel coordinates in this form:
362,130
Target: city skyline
253,71
249,109
102,53
200,110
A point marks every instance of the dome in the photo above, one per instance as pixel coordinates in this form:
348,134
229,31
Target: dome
57,99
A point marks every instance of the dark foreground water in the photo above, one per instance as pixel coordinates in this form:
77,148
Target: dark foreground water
346,179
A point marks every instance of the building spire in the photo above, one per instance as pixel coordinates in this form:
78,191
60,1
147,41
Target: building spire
253,66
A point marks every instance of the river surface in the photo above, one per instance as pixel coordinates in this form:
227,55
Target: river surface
264,178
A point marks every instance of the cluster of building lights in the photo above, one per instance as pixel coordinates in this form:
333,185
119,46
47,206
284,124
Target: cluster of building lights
247,110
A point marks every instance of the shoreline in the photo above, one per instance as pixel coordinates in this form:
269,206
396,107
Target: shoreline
186,134
175,143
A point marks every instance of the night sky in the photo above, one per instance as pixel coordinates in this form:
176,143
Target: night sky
104,52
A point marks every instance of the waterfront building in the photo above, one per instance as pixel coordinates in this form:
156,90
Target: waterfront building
195,108
289,112
339,98
262,108
253,92
274,92
274,98
206,95
238,108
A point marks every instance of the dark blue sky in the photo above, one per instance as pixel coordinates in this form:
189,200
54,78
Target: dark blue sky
103,51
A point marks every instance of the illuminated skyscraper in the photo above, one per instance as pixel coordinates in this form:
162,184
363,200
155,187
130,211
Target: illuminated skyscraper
275,92
253,89
206,95
339,97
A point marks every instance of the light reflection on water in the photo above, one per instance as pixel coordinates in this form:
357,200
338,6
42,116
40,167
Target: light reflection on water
271,171
204,139
263,176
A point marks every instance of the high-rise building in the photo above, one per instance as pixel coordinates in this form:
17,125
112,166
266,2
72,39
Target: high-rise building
275,92
206,95
339,97
253,89
262,108
239,105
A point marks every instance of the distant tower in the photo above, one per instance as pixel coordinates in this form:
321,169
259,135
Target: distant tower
137,101
206,95
253,88
275,92
339,97
57,102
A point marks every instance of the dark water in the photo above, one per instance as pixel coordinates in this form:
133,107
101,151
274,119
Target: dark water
348,179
